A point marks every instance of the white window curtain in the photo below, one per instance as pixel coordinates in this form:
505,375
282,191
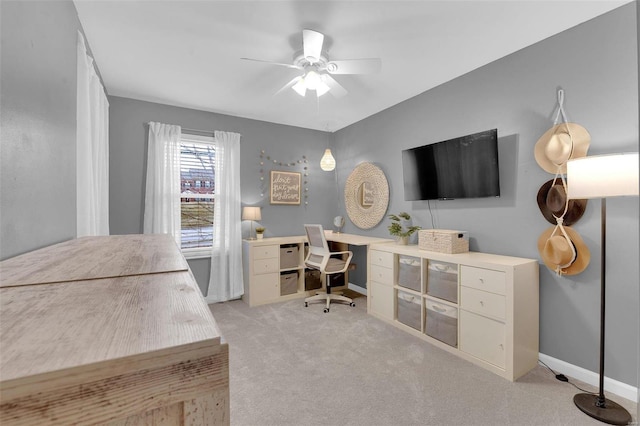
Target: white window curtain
225,279
162,194
92,148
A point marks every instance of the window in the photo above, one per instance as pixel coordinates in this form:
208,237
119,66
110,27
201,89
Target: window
197,164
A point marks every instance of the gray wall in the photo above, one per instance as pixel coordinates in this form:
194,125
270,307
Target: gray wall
597,65
128,147
38,125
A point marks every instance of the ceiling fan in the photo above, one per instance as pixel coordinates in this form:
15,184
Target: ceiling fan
317,68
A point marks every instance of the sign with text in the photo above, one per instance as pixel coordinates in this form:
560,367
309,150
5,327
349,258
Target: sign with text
285,187
368,196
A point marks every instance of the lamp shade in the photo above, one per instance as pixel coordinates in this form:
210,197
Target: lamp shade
327,163
251,213
602,176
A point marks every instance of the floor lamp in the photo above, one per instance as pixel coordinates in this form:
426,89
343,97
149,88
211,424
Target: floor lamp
251,213
602,176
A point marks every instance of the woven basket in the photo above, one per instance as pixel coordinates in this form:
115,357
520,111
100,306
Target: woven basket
443,241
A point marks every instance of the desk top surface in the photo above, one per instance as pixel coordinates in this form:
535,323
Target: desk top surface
352,239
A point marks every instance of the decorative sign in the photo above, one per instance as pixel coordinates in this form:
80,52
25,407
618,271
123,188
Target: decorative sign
285,187
367,194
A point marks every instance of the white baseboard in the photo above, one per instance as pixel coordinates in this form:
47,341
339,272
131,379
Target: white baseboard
357,288
610,385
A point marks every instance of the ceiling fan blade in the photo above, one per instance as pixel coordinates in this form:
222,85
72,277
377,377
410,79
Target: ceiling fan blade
290,84
355,66
295,67
312,42
334,87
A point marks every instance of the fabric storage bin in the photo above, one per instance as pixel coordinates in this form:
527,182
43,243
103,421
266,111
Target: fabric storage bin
443,241
288,256
442,280
312,279
288,283
409,272
441,322
409,309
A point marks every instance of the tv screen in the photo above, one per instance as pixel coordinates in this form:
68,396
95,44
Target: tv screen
464,167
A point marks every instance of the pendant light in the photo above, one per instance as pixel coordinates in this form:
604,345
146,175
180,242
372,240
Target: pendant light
327,163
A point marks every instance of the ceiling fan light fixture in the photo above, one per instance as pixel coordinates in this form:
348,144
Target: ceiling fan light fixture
312,80
321,88
300,87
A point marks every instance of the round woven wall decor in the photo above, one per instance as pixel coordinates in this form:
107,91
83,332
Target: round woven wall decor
366,217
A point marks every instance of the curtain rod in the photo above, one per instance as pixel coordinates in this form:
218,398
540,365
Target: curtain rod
198,132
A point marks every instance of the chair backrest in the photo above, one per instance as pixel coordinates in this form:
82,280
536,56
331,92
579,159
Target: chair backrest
319,253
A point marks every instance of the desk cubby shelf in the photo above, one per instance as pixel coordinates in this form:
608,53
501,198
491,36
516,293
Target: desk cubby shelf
481,307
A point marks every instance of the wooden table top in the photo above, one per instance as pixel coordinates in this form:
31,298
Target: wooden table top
97,299
75,260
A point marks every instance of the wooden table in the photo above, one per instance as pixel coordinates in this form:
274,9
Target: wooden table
109,330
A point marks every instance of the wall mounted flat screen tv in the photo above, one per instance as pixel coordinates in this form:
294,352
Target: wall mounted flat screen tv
464,167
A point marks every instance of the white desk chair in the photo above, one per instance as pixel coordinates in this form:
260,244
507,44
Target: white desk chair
319,257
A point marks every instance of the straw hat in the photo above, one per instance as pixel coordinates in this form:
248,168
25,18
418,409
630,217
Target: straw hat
556,252
552,199
559,144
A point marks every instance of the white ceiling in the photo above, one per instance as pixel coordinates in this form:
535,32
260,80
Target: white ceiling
187,53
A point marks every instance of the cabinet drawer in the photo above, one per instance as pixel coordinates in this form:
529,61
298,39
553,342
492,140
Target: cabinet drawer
265,266
483,279
265,252
381,258
381,274
483,338
482,302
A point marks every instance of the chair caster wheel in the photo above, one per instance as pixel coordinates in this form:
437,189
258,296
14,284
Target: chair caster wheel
306,304
326,310
352,304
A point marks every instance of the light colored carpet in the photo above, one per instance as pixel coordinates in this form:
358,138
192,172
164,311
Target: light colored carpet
291,365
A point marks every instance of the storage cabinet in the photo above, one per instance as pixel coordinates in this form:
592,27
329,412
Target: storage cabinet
481,307
273,270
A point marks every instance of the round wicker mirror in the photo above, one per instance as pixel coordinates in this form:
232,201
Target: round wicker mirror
366,195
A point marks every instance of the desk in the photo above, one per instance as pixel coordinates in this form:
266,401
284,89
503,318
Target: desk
353,239
109,330
264,265
343,241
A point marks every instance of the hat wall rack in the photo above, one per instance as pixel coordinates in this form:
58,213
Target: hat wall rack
560,252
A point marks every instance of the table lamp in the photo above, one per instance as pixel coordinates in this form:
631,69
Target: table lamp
251,213
602,176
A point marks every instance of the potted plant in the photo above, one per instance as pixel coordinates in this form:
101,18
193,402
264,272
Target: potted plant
259,232
400,227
